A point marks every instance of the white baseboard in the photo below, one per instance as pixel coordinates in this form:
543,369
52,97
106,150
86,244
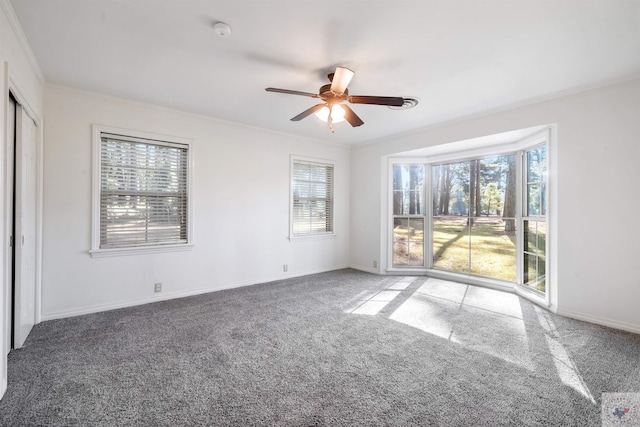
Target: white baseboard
615,324
79,311
365,269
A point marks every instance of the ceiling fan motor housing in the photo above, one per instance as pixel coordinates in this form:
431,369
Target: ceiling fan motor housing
326,94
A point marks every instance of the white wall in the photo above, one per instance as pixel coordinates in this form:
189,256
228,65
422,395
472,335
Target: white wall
19,73
594,199
240,190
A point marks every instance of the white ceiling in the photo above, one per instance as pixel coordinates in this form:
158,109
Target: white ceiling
458,57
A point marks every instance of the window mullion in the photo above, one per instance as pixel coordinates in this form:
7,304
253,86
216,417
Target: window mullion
520,196
428,223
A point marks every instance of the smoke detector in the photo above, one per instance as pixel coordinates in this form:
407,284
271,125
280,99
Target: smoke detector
222,29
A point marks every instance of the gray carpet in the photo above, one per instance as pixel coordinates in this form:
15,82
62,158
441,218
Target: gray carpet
343,348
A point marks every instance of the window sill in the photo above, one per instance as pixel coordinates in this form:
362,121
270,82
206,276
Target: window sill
467,279
312,237
532,295
142,250
471,279
407,270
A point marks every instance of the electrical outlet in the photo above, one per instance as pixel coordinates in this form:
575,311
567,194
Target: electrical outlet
285,268
157,287
375,264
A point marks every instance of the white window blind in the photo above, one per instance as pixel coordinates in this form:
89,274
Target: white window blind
143,192
312,198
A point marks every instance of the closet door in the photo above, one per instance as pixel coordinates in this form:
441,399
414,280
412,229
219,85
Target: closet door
25,227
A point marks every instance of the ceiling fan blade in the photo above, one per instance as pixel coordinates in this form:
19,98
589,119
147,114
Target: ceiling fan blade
292,92
341,78
308,112
392,101
351,117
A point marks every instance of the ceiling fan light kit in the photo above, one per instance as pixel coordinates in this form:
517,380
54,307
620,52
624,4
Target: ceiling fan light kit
333,108
337,114
340,80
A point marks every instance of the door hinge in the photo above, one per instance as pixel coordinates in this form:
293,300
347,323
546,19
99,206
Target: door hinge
10,241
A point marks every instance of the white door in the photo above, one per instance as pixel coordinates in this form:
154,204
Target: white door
25,231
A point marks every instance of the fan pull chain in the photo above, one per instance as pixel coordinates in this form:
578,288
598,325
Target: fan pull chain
330,120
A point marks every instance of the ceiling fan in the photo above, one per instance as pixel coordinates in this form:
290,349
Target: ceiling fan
334,95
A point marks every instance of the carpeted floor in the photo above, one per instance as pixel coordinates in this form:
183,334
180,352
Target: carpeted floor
343,348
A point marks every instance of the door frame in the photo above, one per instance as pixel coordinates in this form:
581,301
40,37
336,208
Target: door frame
13,89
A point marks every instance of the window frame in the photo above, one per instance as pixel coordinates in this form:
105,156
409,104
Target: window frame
319,162
96,251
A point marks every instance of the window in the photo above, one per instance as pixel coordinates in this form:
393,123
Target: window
534,219
474,217
476,214
141,198
408,215
311,198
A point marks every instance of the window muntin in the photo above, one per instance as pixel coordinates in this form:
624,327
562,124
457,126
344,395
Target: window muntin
143,192
311,198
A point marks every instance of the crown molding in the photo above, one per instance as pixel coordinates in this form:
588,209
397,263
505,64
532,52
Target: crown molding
16,28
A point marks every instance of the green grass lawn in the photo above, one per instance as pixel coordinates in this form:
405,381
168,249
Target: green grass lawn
493,253
408,244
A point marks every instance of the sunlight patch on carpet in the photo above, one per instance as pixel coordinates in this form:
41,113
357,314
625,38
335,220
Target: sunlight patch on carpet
567,370
374,303
480,319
